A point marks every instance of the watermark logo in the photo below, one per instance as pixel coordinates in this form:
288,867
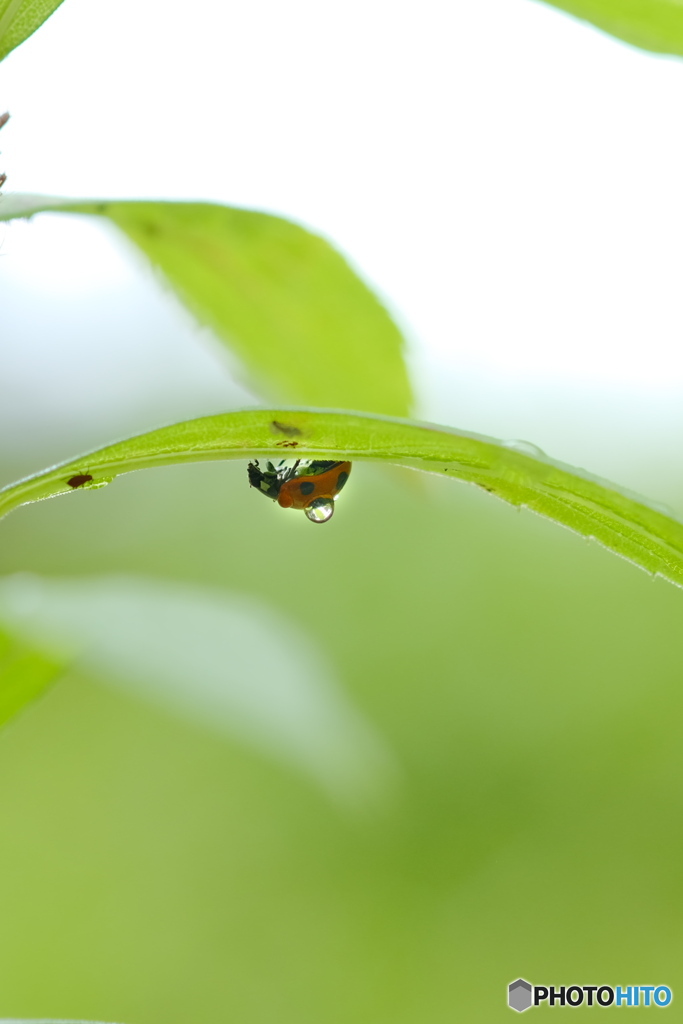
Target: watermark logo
522,995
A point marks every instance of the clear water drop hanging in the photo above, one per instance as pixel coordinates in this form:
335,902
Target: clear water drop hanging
320,511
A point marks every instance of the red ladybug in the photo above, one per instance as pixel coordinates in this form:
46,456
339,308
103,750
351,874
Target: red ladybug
311,486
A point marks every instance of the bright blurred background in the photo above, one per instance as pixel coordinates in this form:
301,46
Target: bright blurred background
509,181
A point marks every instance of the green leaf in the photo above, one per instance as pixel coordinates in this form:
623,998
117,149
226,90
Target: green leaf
301,321
20,18
650,24
149,636
25,672
514,471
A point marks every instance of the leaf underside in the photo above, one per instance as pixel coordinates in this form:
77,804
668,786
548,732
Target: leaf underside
306,328
649,24
624,523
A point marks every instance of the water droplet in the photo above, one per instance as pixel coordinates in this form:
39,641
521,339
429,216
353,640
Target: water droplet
526,447
320,511
665,510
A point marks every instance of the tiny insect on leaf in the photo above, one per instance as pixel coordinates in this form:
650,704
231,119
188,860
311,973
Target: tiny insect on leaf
79,480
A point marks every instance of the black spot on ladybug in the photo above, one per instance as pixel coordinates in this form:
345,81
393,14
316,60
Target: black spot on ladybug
79,480
341,480
288,429
307,487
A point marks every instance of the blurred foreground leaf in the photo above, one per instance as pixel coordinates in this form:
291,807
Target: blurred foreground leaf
512,470
301,321
25,673
650,24
20,18
227,661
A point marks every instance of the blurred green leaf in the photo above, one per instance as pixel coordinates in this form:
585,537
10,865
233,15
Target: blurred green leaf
25,673
20,18
191,649
515,471
300,319
650,24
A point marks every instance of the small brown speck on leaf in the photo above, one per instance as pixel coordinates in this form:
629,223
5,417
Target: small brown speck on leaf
79,480
288,429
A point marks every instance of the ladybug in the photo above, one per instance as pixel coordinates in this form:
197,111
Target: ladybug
311,486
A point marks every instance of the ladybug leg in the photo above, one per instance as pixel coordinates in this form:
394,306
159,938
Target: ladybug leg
291,473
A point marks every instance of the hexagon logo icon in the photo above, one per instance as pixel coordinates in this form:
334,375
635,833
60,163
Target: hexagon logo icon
519,995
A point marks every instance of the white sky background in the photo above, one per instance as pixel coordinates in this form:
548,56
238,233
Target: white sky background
508,178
